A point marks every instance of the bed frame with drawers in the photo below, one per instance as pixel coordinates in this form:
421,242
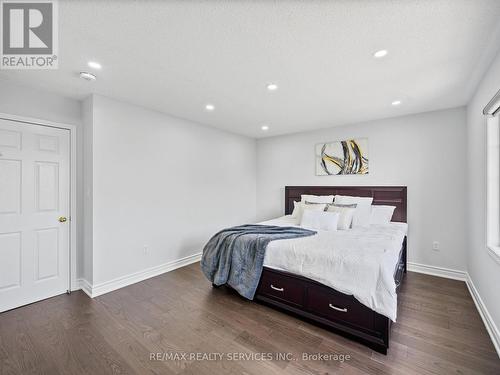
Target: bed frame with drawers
320,304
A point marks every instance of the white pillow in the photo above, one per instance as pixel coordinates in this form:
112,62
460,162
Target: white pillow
322,220
346,213
382,214
317,198
298,208
362,215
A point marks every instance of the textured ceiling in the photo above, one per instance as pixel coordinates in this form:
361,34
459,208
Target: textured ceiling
176,56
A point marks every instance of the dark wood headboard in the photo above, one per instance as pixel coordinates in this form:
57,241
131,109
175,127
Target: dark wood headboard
382,195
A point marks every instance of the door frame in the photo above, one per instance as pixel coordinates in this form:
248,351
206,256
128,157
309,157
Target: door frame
73,214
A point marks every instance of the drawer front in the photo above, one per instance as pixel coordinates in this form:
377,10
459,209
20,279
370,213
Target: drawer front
282,288
338,307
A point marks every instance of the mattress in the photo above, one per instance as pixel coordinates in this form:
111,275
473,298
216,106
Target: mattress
358,262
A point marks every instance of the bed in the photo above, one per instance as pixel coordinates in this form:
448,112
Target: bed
313,300
345,280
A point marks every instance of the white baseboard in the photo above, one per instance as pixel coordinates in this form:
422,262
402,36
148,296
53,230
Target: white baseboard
437,271
83,285
120,282
485,315
463,276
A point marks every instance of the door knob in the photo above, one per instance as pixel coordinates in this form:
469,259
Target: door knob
63,219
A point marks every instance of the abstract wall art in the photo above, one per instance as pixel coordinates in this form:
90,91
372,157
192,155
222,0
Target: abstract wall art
342,157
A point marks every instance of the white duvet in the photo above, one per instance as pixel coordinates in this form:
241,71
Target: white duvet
359,262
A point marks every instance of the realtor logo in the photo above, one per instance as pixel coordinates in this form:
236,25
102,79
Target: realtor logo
29,34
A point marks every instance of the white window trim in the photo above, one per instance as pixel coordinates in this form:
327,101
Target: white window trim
494,252
492,223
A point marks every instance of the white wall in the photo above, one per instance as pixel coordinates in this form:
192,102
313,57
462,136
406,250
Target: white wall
165,183
37,104
30,102
425,152
483,270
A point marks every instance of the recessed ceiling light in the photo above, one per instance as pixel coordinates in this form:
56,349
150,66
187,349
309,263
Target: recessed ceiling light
94,65
88,76
264,127
379,54
272,86
209,107
396,102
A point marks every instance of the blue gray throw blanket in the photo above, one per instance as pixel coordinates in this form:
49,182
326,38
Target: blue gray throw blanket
235,256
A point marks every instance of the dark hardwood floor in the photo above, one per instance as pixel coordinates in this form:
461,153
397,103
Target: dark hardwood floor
438,331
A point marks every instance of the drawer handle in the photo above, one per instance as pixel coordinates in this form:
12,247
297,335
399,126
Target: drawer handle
337,308
278,289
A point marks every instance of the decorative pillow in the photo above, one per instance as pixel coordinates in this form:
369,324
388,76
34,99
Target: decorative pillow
382,214
317,198
354,205
346,213
298,208
322,220
362,214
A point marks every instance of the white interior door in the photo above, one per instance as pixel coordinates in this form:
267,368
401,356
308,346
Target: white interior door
34,201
